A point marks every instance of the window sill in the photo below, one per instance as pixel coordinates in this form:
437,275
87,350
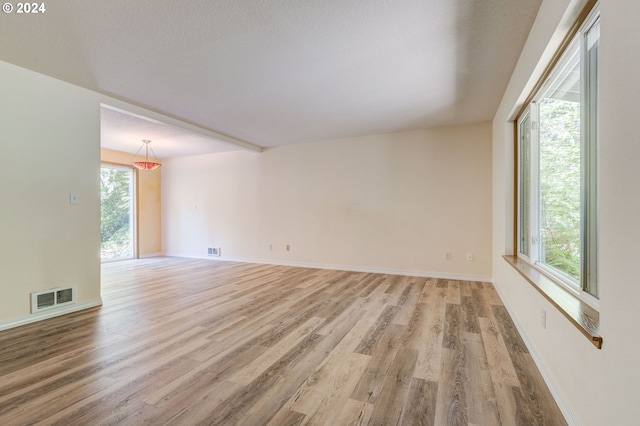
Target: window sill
583,316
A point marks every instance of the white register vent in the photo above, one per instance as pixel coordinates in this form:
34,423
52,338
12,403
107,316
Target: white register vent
52,298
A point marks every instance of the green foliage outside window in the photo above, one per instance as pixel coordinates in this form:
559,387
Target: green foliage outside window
560,184
115,235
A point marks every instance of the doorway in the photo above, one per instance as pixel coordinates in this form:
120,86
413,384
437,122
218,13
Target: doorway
117,210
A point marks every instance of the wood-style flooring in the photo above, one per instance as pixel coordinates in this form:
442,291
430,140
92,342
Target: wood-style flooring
190,342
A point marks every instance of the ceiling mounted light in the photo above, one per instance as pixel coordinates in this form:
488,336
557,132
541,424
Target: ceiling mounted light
146,164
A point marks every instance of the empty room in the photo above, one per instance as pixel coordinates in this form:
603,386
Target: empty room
414,212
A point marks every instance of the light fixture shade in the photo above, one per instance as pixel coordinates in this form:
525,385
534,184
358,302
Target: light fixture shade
146,164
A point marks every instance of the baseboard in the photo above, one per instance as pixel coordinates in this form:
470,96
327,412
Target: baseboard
279,262
40,316
558,395
156,254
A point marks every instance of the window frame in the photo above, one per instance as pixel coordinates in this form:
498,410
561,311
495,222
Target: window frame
587,287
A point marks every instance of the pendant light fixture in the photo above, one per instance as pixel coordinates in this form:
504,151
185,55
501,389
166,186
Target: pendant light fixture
146,164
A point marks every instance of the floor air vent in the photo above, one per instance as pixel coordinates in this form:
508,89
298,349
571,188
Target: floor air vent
213,251
53,298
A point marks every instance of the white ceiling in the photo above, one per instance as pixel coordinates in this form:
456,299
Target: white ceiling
124,131
283,71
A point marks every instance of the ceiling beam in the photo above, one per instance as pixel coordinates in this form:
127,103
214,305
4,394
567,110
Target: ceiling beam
152,116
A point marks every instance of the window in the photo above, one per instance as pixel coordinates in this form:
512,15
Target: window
558,165
117,213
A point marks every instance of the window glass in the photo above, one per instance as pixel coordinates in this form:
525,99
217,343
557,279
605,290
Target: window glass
559,162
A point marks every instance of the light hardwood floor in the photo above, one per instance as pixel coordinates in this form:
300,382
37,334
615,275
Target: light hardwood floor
187,342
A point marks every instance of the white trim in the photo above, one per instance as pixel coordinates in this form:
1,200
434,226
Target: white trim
116,259
374,270
39,316
156,254
117,105
590,300
556,391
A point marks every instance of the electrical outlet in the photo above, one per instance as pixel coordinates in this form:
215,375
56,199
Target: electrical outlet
447,255
288,247
469,256
270,247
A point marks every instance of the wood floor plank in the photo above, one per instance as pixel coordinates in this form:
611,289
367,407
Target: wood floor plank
297,314
252,370
116,393
451,405
198,410
428,290
354,413
379,290
22,378
453,327
340,387
484,301
189,341
370,382
534,393
420,406
273,399
390,403
68,381
368,343
507,405
471,311
429,337
287,417
407,301
232,408
453,292
482,408
212,371
309,397
501,367
510,334
490,292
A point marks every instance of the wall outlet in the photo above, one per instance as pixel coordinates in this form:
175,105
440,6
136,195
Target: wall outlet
270,247
447,255
469,256
288,247
213,251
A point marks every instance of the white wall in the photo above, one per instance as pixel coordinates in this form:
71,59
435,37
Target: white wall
393,202
599,387
49,147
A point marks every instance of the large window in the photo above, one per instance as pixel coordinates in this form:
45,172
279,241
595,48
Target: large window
557,167
116,200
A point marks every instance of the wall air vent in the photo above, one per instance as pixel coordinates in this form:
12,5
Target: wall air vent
53,298
213,251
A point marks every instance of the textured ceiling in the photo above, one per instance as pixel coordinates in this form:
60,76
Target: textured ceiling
287,71
125,132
